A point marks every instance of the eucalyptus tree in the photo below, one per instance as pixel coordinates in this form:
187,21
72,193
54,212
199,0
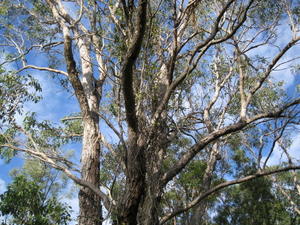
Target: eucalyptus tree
175,82
242,202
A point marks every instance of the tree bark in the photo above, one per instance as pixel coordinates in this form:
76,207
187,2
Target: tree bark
135,182
135,155
150,208
88,98
89,202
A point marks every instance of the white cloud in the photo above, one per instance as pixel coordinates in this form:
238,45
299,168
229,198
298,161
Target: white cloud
73,202
55,104
2,186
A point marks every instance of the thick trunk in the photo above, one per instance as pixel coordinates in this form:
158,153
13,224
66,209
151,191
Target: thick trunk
150,208
89,202
135,182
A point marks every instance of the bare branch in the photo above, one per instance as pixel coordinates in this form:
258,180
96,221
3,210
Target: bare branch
73,74
43,69
111,126
112,150
80,14
201,49
70,62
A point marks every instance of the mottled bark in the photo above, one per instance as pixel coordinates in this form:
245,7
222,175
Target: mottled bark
150,208
135,183
135,156
89,202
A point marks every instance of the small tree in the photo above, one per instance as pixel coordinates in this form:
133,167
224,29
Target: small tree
24,203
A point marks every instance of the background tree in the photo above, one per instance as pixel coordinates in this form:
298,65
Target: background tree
184,88
249,203
25,203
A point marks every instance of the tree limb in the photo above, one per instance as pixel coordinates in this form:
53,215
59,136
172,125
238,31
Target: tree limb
201,48
224,185
130,58
189,155
43,69
45,158
270,68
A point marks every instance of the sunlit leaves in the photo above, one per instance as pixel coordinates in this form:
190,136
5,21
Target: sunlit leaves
25,203
192,177
8,136
73,128
14,92
267,12
47,136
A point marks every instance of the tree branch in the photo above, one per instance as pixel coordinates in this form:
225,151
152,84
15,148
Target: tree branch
130,58
47,159
70,62
270,68
201,48
73,75
189,155
224,185
43,69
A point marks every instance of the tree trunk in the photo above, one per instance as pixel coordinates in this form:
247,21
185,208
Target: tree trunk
135,181
150,208
89,203
149,214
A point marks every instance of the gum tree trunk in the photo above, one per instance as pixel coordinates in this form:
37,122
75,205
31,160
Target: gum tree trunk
89,202
88,97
